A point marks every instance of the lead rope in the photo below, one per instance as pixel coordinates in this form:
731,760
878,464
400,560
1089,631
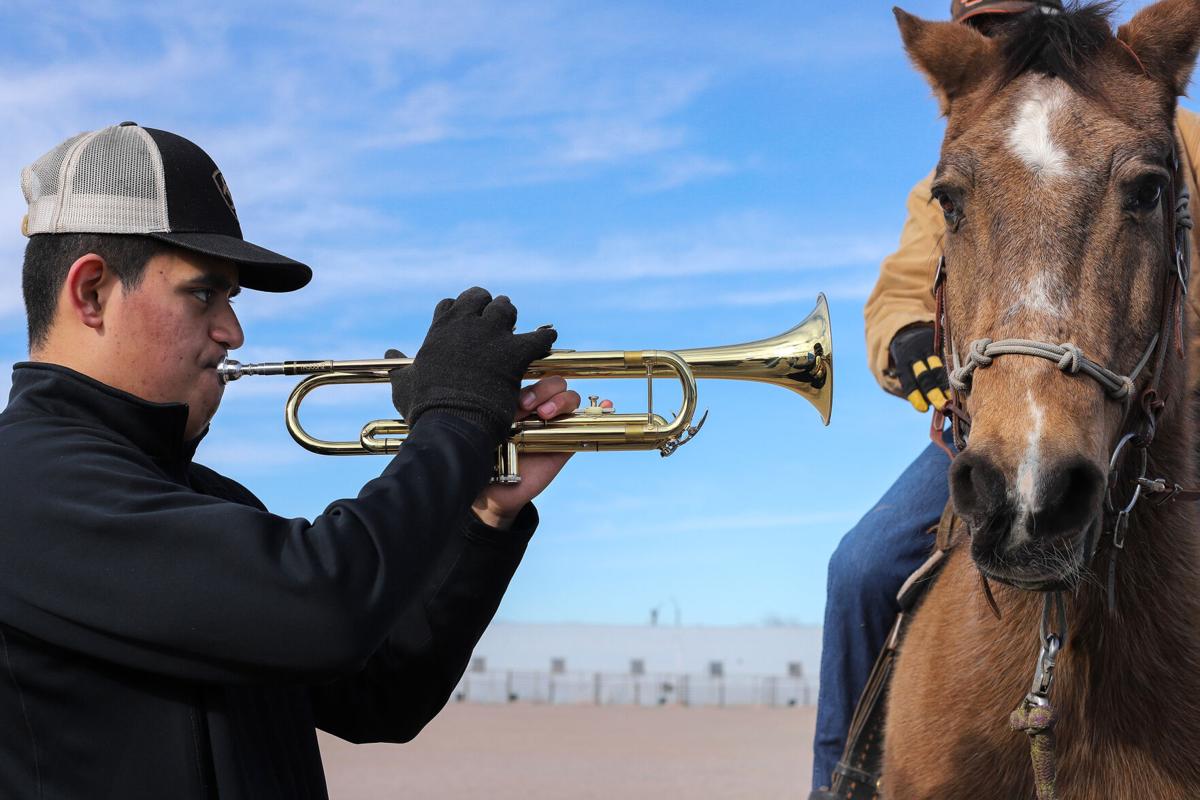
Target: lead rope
1035,715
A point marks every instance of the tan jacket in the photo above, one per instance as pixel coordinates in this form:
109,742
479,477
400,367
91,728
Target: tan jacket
903,295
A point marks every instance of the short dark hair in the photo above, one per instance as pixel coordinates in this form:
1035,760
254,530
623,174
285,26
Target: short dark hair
49,256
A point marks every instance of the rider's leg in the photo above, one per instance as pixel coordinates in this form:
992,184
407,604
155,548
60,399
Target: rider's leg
865,572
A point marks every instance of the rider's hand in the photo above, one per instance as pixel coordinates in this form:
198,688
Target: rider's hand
499,504
471,363
922,375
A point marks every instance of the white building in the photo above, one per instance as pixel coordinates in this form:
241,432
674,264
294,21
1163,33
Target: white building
644,664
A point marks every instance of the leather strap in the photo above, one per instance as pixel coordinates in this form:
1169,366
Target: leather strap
857,774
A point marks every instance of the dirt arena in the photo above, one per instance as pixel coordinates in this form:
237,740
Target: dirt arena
524,752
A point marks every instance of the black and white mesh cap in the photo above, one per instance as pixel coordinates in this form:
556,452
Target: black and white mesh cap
134,180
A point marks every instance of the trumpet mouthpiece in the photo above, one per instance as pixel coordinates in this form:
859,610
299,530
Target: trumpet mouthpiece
229,370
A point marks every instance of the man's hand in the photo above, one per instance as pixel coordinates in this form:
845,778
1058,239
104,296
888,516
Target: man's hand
471,362
922,375
499,504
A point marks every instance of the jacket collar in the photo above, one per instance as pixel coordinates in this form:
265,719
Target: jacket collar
155,428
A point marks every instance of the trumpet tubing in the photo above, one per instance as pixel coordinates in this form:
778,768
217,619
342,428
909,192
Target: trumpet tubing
800,359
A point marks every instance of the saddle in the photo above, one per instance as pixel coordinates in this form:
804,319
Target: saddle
857,774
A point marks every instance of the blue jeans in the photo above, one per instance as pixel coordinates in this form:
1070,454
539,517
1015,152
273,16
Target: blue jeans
865,572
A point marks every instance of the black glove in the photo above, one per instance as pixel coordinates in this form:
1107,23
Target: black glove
471,363
922,375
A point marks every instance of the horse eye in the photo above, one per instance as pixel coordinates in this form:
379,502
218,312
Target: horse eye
1146,195
949,207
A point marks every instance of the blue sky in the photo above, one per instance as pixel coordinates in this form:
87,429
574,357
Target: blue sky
643,175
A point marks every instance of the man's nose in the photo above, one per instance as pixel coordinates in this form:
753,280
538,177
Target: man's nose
227,331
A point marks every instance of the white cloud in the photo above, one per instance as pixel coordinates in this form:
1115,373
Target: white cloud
737,245
676,172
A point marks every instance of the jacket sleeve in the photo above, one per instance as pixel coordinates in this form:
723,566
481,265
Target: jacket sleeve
1188,123
903,294
408,681
127,566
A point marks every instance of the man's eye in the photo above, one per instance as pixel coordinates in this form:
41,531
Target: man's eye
203,295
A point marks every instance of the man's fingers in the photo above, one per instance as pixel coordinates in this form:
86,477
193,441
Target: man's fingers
535,394
559,404
547,399
502,311
931,379
910,390
444,305
938,395
536,344
472,301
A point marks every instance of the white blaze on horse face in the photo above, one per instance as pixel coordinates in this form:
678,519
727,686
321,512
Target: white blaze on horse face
1040,297
1030,137
1025,489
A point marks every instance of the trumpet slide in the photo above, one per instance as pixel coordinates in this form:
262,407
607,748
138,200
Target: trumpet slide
801,359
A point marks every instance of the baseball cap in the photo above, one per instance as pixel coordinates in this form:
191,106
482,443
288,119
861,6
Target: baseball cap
962,10
132,180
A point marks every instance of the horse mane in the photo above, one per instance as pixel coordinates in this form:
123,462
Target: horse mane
1061,44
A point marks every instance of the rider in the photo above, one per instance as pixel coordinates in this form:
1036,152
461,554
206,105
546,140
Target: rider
891,540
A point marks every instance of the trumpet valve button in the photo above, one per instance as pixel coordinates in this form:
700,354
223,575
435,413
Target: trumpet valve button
594,408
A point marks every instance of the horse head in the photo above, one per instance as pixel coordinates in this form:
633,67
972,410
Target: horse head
1056,179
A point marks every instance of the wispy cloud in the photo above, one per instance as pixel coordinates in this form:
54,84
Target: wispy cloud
738,245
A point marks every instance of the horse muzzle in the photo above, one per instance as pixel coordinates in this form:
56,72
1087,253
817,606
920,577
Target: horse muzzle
1031,530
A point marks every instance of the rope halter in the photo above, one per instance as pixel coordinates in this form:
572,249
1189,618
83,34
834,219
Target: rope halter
1069,358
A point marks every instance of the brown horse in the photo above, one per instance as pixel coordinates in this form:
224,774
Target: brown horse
1057,178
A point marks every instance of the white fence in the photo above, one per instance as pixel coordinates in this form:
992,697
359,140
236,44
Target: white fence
598,688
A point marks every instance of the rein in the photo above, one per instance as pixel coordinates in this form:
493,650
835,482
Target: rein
1035,715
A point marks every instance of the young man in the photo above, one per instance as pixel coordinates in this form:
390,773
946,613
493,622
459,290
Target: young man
161,633
876,556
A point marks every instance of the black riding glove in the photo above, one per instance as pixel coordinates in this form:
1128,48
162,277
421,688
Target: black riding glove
922,375
471,363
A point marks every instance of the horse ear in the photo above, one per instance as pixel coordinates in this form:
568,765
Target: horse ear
1165,37
953,56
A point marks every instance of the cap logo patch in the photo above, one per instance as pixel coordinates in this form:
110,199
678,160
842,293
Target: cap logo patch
223,189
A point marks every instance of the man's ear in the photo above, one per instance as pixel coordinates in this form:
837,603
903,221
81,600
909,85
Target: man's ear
954,57
85,292
1165,37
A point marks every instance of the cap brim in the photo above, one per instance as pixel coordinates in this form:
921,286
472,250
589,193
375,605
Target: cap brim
258,267
999,8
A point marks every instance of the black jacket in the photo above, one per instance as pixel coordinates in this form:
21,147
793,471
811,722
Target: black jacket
163,636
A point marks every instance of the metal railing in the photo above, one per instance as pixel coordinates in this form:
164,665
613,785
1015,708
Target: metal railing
651,689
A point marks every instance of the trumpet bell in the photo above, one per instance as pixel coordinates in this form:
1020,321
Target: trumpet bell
800,359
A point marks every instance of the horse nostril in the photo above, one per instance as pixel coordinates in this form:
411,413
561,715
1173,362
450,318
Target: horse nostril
976,486
1070,498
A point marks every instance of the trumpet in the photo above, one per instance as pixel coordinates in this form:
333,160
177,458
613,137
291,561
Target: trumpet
800,359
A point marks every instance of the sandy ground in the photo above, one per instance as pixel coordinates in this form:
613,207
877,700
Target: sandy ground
532,751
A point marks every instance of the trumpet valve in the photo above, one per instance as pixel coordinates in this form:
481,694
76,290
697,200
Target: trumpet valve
506,469
594,409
